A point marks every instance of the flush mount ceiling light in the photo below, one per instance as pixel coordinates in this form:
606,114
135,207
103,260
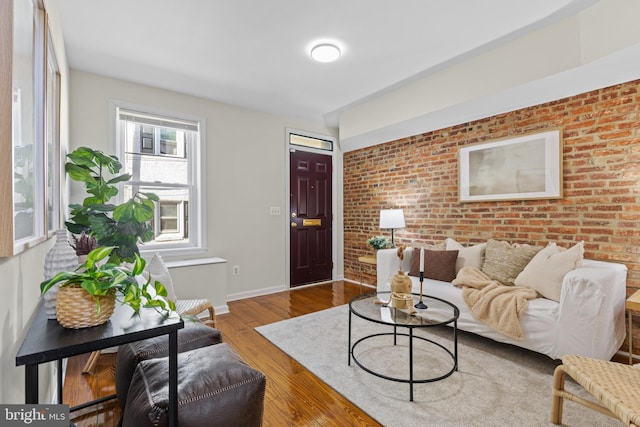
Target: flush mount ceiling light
325,52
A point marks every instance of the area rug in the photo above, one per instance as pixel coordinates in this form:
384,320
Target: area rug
495,385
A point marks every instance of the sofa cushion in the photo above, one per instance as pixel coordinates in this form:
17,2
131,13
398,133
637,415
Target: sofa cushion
468,256
438,265
546,270
504,261
414,269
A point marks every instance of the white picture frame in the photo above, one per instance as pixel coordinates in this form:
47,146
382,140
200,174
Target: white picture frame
525,167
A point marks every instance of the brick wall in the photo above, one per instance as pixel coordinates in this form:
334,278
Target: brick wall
601,170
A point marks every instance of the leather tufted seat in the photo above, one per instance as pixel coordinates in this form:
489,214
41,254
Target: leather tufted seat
193,335
215,387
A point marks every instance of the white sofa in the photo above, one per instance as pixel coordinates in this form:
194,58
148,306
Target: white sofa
588,320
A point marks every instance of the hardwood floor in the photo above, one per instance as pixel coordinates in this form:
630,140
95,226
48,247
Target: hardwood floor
294,396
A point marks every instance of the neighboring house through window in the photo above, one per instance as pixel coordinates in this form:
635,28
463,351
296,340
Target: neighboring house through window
163,153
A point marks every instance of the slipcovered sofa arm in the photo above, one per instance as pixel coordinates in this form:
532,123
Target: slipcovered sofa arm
388,264
592,307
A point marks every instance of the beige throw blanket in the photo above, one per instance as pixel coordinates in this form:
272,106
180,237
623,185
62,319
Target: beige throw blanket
495,304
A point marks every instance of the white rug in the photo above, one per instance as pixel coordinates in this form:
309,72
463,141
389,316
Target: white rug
495,385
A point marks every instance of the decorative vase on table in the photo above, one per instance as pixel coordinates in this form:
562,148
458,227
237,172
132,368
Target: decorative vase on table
61,257
401,291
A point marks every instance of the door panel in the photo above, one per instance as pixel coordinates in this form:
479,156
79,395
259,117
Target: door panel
311,242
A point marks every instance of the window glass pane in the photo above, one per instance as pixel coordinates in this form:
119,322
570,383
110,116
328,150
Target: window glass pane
53,138
168,209
24,137
307,141
148,169
168,225
171,216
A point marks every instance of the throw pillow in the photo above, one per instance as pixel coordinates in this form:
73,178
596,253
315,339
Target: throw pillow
503,261
471,256
160,272
548,267
414,268
438,265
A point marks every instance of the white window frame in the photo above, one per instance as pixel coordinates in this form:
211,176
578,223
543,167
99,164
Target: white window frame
197,243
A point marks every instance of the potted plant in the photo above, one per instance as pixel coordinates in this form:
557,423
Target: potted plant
120,226
378,242
98,285
83,244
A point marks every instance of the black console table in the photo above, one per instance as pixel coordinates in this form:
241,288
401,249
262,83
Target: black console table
47,341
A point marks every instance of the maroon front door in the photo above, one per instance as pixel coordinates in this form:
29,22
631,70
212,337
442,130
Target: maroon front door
310,217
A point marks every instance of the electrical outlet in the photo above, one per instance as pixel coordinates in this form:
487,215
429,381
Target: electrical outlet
236,270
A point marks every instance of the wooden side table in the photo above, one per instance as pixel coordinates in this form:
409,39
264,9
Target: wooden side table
632,304
369,260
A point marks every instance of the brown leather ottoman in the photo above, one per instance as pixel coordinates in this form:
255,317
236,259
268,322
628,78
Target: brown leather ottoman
193,335
215,388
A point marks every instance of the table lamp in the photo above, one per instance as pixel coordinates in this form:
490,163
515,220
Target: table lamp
392,218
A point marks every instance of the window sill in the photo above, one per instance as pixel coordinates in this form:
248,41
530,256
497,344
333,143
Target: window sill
194,262
171,252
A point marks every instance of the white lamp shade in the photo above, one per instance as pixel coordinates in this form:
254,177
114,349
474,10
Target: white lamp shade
391,218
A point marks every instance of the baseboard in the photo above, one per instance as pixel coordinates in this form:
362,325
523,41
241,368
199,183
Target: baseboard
221,309
255,293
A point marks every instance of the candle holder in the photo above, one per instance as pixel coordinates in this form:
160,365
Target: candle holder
421,305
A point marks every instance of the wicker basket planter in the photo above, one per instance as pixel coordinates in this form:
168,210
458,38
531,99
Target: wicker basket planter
77,309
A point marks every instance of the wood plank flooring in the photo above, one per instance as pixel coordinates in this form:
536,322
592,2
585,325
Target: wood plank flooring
294,396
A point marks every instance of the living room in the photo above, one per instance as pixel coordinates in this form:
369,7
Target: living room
377,163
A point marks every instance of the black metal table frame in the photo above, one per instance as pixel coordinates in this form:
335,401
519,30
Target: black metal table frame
76,342
411,381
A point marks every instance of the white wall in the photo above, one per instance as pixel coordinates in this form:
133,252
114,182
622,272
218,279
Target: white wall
22,274
245,169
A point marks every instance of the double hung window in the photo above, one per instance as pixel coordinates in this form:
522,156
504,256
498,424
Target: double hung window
162,154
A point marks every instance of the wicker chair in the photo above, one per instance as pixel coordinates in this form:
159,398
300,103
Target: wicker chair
200,308
616,386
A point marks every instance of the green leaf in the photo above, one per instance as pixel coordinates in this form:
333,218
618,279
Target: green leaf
98,254
151,196
124,212
79,173
83,156
142,213
138,265
160,289
119,178
60,277
90,287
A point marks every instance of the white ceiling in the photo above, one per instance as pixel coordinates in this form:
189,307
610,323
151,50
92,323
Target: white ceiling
254,53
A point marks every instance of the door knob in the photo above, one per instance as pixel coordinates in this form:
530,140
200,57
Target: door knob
293,224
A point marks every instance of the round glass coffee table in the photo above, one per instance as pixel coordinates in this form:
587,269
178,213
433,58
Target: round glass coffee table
438,312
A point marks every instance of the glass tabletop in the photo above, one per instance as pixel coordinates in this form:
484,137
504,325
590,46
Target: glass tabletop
371,307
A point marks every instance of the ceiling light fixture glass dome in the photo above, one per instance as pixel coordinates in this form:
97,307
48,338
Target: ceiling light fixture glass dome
325,52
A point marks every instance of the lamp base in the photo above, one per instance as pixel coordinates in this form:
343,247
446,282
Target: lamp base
420,305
